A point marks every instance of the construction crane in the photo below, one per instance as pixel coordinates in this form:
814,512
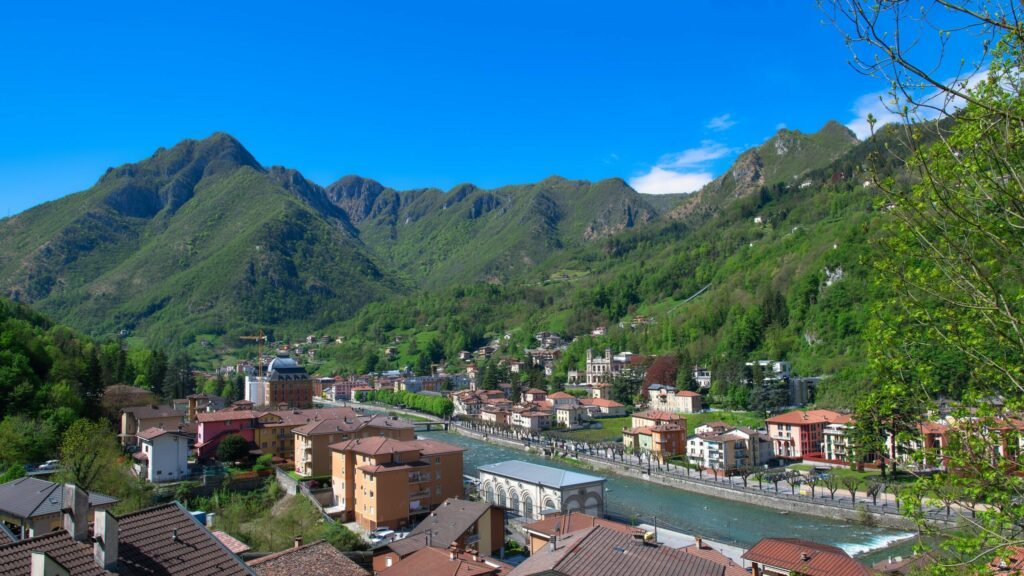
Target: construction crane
260,337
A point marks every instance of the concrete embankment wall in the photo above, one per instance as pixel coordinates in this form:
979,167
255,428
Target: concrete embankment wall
750,496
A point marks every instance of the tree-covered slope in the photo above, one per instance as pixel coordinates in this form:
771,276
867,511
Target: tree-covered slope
198,238
470,234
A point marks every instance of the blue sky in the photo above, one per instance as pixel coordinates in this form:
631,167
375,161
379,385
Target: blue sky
415,93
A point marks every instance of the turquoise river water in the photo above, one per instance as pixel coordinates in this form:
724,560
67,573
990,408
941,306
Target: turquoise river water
713,518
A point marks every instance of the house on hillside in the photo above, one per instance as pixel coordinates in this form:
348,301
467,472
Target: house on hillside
162,455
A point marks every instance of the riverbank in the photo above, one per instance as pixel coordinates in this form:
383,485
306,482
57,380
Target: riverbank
861,513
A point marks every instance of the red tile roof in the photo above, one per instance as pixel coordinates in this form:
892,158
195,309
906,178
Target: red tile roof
687,394
437,562
380,445
574,522
535,391
658,415
233,544
805,557
560,395
803,417
316,559
151,433
601,403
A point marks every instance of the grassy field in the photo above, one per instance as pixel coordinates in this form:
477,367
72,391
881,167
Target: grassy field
611,429
865,475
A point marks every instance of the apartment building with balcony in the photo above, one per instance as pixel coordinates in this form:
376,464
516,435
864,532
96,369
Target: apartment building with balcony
380,481
728,450
313,440
801,433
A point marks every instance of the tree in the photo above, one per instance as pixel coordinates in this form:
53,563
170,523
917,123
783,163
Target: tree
852,484
626,386
233,448
831,483
952,259
89,454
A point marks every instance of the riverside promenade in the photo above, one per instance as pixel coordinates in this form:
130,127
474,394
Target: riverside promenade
860,509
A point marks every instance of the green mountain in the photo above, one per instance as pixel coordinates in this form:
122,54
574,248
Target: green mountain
469,234
196,239
785,158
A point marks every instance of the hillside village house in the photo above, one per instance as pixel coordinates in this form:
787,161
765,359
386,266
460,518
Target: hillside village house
270,431
381,482
786,556
666,397
657,417
604,369
531,490
702,376
313,440
801,433
162,455
602,407
138,418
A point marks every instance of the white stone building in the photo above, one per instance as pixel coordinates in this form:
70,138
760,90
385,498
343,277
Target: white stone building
529,490
162,455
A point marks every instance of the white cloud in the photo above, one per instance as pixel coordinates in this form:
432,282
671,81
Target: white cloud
880,105
661,181
721,123
681,172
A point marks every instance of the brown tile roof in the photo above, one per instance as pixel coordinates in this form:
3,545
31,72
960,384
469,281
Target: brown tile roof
316,559
161,411
380,445
658,415
601,551
535,391
560,396
809,417
437,562
222,415
76,557
687,394
453,518
233,544
805,557
574,522
151,433
6,536
167,541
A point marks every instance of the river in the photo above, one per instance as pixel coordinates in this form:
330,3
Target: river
713,518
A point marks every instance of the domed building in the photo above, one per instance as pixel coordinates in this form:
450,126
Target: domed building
284,383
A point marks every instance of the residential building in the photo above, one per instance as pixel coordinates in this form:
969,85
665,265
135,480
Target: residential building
662,441
602,368
384,482
164,540
602,408
468,525
269,430
162,455
316,559
541,532
728,451
471,402
283,383
34,505
498,415
801,432
603,551
530,419
313,440
530,490
534,395
430,561
786,556
601,390
138,418
657,417
665,397
702,376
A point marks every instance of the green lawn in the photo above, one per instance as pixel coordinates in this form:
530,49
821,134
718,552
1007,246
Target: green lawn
844,472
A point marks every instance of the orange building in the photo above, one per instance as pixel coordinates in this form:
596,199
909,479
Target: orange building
385,482
312,441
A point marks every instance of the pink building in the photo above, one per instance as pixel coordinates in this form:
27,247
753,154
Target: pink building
800,433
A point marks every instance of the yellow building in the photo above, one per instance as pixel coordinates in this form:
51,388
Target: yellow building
384,482
313,440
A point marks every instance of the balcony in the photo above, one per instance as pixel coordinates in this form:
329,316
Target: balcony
419,494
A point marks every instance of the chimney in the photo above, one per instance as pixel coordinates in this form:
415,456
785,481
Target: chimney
44,565
76,512
805,556
104,548
700,542
297,541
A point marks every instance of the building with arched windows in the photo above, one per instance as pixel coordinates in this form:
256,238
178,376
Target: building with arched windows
532,491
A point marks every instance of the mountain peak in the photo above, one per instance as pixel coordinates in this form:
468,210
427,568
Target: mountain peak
834,128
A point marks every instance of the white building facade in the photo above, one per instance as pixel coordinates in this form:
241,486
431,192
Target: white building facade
530,490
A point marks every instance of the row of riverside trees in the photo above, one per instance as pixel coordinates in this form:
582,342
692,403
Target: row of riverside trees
437,405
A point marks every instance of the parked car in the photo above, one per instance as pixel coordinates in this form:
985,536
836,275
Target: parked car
49,465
